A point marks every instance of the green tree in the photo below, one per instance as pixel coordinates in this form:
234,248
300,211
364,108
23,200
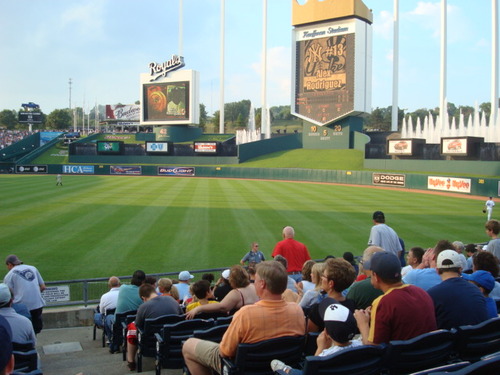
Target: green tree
8,119
59,119
203,115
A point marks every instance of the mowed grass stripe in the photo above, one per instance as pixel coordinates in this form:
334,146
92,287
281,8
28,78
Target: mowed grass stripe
95,226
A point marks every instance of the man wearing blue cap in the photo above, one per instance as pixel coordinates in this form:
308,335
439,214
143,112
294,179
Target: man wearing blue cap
485,281
401,313
6,357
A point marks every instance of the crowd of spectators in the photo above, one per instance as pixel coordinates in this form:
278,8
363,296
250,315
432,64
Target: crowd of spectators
339,298
9,137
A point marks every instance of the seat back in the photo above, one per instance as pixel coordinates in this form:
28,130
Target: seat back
483,367
255,359
117,331
425,351
146,337
360,360
478,340
213,334
25,357
224,320
169,354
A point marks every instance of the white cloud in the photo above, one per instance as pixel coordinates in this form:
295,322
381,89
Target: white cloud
384,25
87,18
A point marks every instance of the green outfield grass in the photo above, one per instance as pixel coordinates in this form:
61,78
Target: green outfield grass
96,226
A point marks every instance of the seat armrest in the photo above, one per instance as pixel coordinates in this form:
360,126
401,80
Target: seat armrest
159,338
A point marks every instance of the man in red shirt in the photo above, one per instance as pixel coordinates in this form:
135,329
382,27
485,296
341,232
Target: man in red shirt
295,252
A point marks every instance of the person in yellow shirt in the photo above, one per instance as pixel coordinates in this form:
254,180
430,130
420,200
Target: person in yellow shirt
203,293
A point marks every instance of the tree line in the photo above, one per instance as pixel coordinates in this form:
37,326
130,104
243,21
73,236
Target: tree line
236,116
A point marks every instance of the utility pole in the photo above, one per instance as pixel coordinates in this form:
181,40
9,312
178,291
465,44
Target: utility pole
70,93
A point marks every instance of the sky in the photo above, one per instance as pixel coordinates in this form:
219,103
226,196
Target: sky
104,45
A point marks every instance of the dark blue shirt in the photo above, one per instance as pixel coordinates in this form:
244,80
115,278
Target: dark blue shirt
458,302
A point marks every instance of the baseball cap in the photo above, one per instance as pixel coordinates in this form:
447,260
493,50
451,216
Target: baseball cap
13,259
5,342
225,274
339,320
385,264
482,278
448,259
378,215
5,295
185,275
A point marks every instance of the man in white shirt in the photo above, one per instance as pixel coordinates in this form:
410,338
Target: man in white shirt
108,302
489,207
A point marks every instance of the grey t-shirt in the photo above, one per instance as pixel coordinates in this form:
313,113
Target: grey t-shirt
156,307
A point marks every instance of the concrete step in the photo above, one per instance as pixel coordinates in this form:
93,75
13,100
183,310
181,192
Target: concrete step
71,351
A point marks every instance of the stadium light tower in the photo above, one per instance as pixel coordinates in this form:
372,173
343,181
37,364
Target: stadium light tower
69,93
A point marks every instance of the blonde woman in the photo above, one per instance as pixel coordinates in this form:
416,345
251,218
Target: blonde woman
166,288
311,296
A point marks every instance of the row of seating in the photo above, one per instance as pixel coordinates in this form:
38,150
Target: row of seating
462,348
162,338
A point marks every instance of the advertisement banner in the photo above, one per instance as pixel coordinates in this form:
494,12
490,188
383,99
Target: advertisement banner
46,137
160,147
454,146
459,185
31,169
122,112
205,147
176,171
400,147
78,169
388,179
116,169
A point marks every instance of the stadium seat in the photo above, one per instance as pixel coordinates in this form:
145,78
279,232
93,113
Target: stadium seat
361,360
449,368
117,330
224,320
488,366
169,342
25,357
425,351
255,359
476,341
96,327
211,334
146,341
311,344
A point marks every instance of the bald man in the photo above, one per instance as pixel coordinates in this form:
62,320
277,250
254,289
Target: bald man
108,302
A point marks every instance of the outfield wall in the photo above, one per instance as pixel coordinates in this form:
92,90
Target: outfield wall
436,182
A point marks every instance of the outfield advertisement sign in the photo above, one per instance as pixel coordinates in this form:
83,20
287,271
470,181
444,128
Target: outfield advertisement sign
116,169
388,179
459,185
78,169
176,171
31,169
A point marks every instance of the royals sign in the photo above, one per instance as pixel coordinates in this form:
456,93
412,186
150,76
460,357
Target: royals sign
161,70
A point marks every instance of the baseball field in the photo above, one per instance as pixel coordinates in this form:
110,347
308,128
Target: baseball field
95,226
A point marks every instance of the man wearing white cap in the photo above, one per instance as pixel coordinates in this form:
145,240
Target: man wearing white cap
183,285
456,301
27,285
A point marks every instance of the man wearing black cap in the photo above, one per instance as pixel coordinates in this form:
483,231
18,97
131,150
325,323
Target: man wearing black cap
401,313
27,286
384,236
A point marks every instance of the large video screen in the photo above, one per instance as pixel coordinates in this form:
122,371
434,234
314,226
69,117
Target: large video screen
167,101
109,147
324,86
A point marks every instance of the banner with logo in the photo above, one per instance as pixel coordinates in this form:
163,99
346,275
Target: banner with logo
78,169
31,169
116,169
176,171
388,179
459,185
130,112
